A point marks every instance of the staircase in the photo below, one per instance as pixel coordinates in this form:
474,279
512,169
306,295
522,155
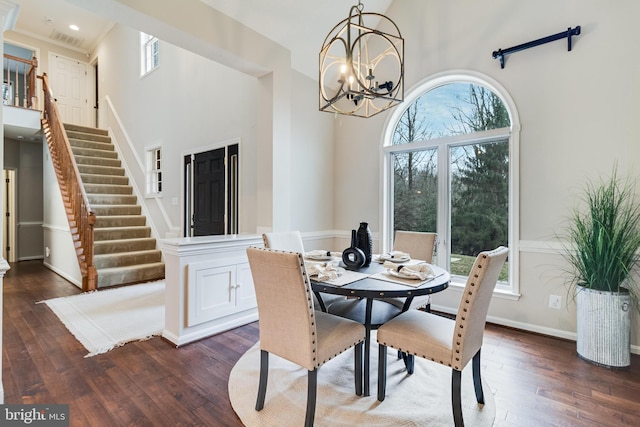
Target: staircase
124,251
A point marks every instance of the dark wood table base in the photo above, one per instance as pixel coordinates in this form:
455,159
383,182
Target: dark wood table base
372,313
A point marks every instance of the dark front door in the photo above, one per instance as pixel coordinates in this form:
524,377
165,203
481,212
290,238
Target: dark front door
209,193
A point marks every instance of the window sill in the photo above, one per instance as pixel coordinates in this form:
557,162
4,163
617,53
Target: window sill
148,72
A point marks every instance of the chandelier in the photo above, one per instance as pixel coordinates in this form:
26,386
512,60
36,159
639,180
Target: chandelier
362,65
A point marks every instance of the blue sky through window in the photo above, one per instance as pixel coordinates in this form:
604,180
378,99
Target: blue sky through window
439,104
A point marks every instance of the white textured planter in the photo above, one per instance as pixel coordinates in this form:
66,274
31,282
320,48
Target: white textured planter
603,327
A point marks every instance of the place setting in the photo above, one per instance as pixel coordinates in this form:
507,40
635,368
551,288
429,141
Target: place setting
393,256
321,255
400,268
324,266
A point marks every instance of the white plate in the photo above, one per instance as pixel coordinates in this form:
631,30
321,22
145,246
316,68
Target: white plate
338,270
384,258
401,275
318,257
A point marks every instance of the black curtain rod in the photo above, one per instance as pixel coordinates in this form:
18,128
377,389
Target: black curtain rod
500,53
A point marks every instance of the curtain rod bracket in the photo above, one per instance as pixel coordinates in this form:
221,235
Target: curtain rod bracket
500,53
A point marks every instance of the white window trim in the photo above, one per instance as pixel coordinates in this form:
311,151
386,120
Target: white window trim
145,40
511,290
148,151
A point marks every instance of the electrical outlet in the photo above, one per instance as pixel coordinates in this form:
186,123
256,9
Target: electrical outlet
555,301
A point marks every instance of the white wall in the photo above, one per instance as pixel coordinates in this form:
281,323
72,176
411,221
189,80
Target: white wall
312,159
193,102
59,250
189,103
578,112
195,27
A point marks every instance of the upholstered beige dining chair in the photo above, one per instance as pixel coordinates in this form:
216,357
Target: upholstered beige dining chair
419,245
292,241
446,341
291,328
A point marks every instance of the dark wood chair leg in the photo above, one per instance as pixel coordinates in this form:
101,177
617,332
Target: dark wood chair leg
456,401
477,379
312,386
382,371
410,363
264,373
358,368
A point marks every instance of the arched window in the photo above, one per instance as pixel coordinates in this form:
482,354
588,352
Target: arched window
450,161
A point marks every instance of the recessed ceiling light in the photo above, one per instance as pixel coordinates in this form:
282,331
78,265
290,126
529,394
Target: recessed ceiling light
74,27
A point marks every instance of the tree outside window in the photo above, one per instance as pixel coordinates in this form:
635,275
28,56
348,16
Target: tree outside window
452,176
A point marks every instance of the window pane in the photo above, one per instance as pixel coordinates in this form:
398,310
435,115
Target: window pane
150,53
415,190
154,53
445,121
452,109
479,202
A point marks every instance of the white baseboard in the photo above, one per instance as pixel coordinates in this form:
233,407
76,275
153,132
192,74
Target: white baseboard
30,258
209,331
62,274
558,333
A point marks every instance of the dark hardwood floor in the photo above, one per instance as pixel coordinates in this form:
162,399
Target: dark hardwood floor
536,380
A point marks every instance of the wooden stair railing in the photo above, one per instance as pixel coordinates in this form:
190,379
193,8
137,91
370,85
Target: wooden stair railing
81,218
20,78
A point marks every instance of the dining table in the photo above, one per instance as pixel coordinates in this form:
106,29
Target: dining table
366,288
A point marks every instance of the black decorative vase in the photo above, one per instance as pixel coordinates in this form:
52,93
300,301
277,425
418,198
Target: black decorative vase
365,242
353,257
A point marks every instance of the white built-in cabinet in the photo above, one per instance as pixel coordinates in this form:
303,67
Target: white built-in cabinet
218,288
209,288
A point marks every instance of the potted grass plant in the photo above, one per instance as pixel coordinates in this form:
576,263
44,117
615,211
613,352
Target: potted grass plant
602,250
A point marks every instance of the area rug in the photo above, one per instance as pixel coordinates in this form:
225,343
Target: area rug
422,399
103,320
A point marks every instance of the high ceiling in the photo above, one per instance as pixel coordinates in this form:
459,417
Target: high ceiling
300,26
49,20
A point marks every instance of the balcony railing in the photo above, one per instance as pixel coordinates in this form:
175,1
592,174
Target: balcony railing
19,82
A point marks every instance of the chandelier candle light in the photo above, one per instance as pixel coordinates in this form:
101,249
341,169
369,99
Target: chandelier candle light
362,65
